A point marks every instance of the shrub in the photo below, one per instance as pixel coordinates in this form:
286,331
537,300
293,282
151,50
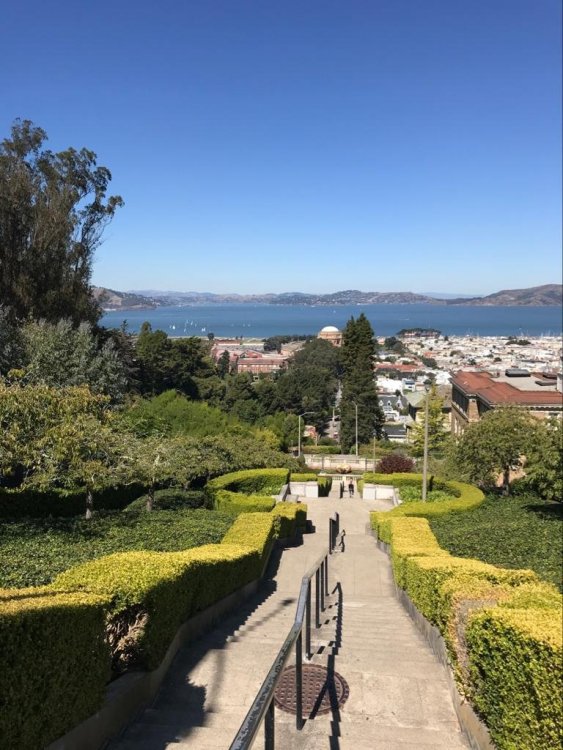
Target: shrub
325,485
33,552
254,530
34,503
54,664
508,658
327,450
153,589
251,481
515,663
292,517
303,476
235,503
395,463
171,499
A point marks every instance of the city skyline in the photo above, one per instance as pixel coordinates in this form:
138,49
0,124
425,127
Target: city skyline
312,146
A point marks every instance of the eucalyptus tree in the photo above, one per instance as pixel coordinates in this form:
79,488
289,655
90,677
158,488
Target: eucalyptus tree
53,211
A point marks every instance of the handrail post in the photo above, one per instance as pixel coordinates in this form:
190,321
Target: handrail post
308,622
317,599
299,681
269,728
323,585
326,575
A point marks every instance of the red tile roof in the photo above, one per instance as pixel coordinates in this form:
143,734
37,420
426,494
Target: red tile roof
482,385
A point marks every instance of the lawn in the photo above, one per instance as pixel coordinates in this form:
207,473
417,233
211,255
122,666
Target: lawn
513,532
33,552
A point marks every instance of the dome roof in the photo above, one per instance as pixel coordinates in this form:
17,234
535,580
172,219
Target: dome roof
330,329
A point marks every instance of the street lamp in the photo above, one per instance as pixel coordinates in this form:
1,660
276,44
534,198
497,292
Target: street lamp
299,433
425,459
356,407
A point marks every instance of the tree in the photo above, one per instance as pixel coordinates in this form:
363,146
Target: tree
159,461
11,345
437,435
29,413
224,364
358,385
495,445
62,355
544,460
80,452
52,215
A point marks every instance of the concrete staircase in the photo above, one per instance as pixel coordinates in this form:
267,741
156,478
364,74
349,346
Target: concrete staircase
398,700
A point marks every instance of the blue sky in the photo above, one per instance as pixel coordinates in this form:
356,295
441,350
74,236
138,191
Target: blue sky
385,145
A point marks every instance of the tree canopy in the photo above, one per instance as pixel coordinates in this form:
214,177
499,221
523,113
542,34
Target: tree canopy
53,211
358,384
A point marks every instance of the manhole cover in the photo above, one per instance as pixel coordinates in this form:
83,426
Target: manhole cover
323,691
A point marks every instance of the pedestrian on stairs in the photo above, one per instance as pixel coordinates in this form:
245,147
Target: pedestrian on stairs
342,488
351,487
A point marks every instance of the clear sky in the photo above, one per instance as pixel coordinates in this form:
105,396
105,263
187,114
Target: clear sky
318,145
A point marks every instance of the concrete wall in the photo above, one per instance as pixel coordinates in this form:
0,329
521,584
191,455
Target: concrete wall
380,492
304,489
351,462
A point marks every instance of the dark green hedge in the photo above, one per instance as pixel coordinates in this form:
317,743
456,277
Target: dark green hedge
171,499
63,503
54,664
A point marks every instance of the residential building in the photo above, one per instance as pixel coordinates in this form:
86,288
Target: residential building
475,393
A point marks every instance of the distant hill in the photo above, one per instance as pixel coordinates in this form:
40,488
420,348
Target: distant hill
538,296
541,296
109,299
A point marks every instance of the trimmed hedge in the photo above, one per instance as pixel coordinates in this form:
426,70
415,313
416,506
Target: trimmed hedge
323,483
246,491
62,503
293,518
172,498
502,628
516,664
463,496
303,476
54,664
251,481
235,502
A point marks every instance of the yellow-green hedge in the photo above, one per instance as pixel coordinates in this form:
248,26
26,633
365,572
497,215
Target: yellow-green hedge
237,502
292,516
246,491
502,628
464,497
515,662
54,664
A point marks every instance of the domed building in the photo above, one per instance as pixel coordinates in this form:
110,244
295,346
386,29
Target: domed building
331,334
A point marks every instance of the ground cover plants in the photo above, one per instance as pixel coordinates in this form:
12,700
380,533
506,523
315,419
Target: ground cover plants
34,551
513,532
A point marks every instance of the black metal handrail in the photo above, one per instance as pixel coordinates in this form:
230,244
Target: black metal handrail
262,709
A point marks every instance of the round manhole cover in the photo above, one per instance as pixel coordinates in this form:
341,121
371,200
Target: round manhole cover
323,691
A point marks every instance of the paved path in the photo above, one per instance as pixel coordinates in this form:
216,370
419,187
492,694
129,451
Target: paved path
399,699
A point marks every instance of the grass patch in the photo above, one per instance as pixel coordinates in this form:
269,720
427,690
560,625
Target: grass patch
511,532
34,551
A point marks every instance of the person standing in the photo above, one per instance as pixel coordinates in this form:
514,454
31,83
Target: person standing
351,487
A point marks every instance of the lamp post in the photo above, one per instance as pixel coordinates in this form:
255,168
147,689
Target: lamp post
425,458
299,431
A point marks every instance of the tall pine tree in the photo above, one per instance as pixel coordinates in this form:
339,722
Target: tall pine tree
358,385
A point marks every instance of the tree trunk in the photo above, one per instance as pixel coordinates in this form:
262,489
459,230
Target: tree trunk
89,503
506,481
150,499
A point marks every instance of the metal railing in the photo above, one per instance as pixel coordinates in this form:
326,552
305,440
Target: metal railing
262,710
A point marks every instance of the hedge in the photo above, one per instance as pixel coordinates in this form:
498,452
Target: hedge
235,502
251,481
516,664
502,628
21,503
246,491
150,594
464,496
54,664
172,498
293,518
